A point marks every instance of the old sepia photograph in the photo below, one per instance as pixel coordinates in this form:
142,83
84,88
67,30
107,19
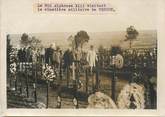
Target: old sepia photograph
106,70
82,58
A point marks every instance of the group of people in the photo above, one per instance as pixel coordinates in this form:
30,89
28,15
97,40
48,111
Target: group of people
56,56
28,54
132,57
80,58
141,58
42,55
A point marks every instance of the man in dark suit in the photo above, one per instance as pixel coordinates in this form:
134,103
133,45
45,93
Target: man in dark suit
49,55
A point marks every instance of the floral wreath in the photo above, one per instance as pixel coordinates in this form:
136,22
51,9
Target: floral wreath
13,68
48,73
101,101
131,96
13,65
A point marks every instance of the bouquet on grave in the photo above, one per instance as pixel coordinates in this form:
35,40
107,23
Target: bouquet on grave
13,65
131,97
101,101
13,68
48,73
41,105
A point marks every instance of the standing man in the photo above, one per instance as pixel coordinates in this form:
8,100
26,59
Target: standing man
42,54
50,51
68,58
56,57
24,54
92,58
20,57
28,54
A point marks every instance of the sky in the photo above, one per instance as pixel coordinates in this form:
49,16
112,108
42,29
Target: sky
146,38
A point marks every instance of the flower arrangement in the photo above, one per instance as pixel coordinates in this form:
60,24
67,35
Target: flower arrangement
13,68
80,84
131,96
48,73
41,105
100,100
13,65
75,102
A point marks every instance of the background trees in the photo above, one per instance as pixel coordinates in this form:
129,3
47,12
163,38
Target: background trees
115,50
80,38
24,39
33,42
131,35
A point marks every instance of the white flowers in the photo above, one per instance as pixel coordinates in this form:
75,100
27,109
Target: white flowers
124,98
48,73
131,95
13,68
80,84
100,100
41,105
13,64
